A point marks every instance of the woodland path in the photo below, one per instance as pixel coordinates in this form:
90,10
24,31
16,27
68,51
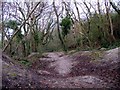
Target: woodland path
61,62
56,69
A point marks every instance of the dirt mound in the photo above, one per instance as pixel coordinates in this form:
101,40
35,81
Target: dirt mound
84,69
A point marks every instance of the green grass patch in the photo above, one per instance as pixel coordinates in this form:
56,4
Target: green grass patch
25,62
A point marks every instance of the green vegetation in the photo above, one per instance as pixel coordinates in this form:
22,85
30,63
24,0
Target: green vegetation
25,62
65,25
13,24
65,32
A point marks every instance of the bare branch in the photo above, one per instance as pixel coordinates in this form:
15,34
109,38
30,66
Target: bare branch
20,26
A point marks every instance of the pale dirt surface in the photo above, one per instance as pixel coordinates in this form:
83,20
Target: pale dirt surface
59,70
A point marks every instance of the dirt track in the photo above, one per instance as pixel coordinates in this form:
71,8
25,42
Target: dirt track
77,70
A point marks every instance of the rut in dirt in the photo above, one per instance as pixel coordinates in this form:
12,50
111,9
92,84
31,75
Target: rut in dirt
61,64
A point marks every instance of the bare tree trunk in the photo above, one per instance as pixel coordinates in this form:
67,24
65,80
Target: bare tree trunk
23,15
109,21
58,28
98,5
89,23
114,7
81,36
20,27
88,9
2,26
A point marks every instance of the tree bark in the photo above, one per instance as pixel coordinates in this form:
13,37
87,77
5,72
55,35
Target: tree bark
109,21
58,28
114,7
81,41
20,27
2,26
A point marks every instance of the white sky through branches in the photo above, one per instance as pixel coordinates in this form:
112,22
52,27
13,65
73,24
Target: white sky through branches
71,3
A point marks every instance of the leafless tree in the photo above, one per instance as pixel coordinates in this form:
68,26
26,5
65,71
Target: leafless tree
58,28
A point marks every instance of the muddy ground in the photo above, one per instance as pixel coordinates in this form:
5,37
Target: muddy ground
84,69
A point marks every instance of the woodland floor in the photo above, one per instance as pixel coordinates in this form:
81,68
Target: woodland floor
83,69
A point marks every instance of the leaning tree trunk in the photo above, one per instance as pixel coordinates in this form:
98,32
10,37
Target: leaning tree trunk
24,22
114,7
110,26
58,28
81,36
